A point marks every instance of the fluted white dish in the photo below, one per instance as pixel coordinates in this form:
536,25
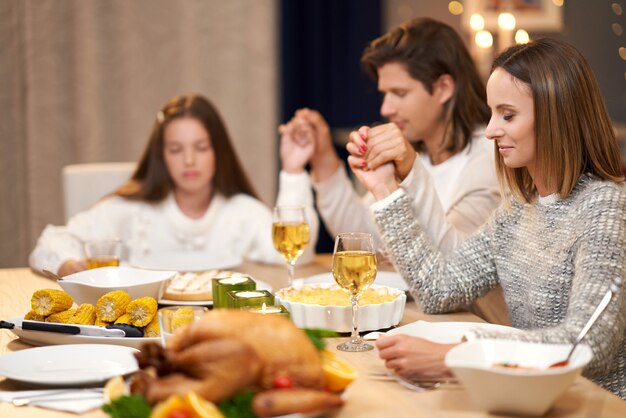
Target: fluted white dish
339,318
516,391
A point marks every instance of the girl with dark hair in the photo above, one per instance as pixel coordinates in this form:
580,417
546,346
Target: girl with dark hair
189,202
557,243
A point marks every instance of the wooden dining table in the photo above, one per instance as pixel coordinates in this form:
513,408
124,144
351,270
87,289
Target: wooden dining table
367,396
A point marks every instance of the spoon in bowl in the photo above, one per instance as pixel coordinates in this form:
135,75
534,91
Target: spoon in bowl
613,288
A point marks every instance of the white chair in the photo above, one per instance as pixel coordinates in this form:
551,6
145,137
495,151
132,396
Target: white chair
85,184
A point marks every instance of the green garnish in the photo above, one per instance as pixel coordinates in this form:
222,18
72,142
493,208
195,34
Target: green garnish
317,334
133,406
239,406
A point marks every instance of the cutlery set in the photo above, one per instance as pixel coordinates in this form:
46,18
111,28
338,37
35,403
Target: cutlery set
116,330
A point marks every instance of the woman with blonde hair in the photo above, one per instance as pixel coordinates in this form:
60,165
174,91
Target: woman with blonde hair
189,202
556,244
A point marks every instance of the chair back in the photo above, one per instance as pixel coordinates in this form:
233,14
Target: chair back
85,184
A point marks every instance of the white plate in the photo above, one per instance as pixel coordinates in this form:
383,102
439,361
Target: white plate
446,332
55,338
383,278
68,364
187,262
260,285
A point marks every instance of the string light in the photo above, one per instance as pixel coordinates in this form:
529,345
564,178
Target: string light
522,37
483,39
455,7
506,21
477,22
558,3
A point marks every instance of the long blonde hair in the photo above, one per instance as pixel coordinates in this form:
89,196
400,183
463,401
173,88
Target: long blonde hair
573,129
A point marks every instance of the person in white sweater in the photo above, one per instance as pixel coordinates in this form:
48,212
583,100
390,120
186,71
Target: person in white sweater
189,203
556,246
436,105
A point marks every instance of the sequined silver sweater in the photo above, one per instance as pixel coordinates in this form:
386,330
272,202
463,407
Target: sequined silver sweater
554,259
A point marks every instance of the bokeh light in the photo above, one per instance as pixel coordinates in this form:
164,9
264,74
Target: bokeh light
617,8
483,39
477,22
521,37
558,3
622,52
617,29
455,7
506,21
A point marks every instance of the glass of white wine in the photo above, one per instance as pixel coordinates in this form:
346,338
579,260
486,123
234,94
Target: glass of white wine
354,269
290,234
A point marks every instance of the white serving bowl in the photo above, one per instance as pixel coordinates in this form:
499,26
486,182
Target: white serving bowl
339,318
88,285
510,390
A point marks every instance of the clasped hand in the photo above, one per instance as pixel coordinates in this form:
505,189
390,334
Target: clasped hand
380,157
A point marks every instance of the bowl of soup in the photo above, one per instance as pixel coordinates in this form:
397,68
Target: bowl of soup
515,377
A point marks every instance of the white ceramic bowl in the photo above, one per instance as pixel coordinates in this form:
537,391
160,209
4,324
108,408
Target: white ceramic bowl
87,286
515,391
339,318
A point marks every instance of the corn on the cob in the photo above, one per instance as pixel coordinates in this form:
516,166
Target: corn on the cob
101,323
61,317
152,329
123,319
34,316
112,305
85,315
49,301
181,318
142,311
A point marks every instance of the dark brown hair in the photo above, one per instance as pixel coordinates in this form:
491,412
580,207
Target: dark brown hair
152,182
429,49
573,130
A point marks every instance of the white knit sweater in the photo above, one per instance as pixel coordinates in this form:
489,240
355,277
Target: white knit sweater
554,259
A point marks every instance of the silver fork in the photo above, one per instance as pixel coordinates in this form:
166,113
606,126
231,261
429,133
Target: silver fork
415,384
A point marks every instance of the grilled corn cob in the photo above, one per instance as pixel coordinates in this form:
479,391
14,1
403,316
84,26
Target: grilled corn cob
85,315
152,329
142,311
112,305
123,319
61,317
181,318
49,301
34,316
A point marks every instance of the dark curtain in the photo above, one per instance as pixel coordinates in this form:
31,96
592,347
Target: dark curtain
321,42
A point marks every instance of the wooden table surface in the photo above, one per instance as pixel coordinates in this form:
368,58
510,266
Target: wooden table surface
367,397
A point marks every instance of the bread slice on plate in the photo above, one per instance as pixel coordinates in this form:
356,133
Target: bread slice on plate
193,286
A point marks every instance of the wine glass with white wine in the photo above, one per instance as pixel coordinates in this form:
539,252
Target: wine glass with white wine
290,234
354,269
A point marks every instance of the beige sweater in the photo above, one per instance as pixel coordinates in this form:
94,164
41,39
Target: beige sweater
554,259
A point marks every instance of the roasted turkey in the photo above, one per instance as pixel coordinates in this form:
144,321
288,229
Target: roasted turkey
227,351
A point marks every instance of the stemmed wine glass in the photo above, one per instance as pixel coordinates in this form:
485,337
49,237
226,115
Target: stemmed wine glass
354,269
290,234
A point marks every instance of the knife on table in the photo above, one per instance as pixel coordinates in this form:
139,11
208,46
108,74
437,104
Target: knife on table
88,330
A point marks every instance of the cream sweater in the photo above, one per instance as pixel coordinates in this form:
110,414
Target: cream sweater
160,235
554,259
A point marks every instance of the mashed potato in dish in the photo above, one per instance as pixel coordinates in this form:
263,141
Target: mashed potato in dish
335,295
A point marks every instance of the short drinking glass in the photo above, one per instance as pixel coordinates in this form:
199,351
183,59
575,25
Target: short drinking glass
354,269
103,253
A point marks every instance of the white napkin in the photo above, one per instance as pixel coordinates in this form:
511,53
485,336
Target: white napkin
77,401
